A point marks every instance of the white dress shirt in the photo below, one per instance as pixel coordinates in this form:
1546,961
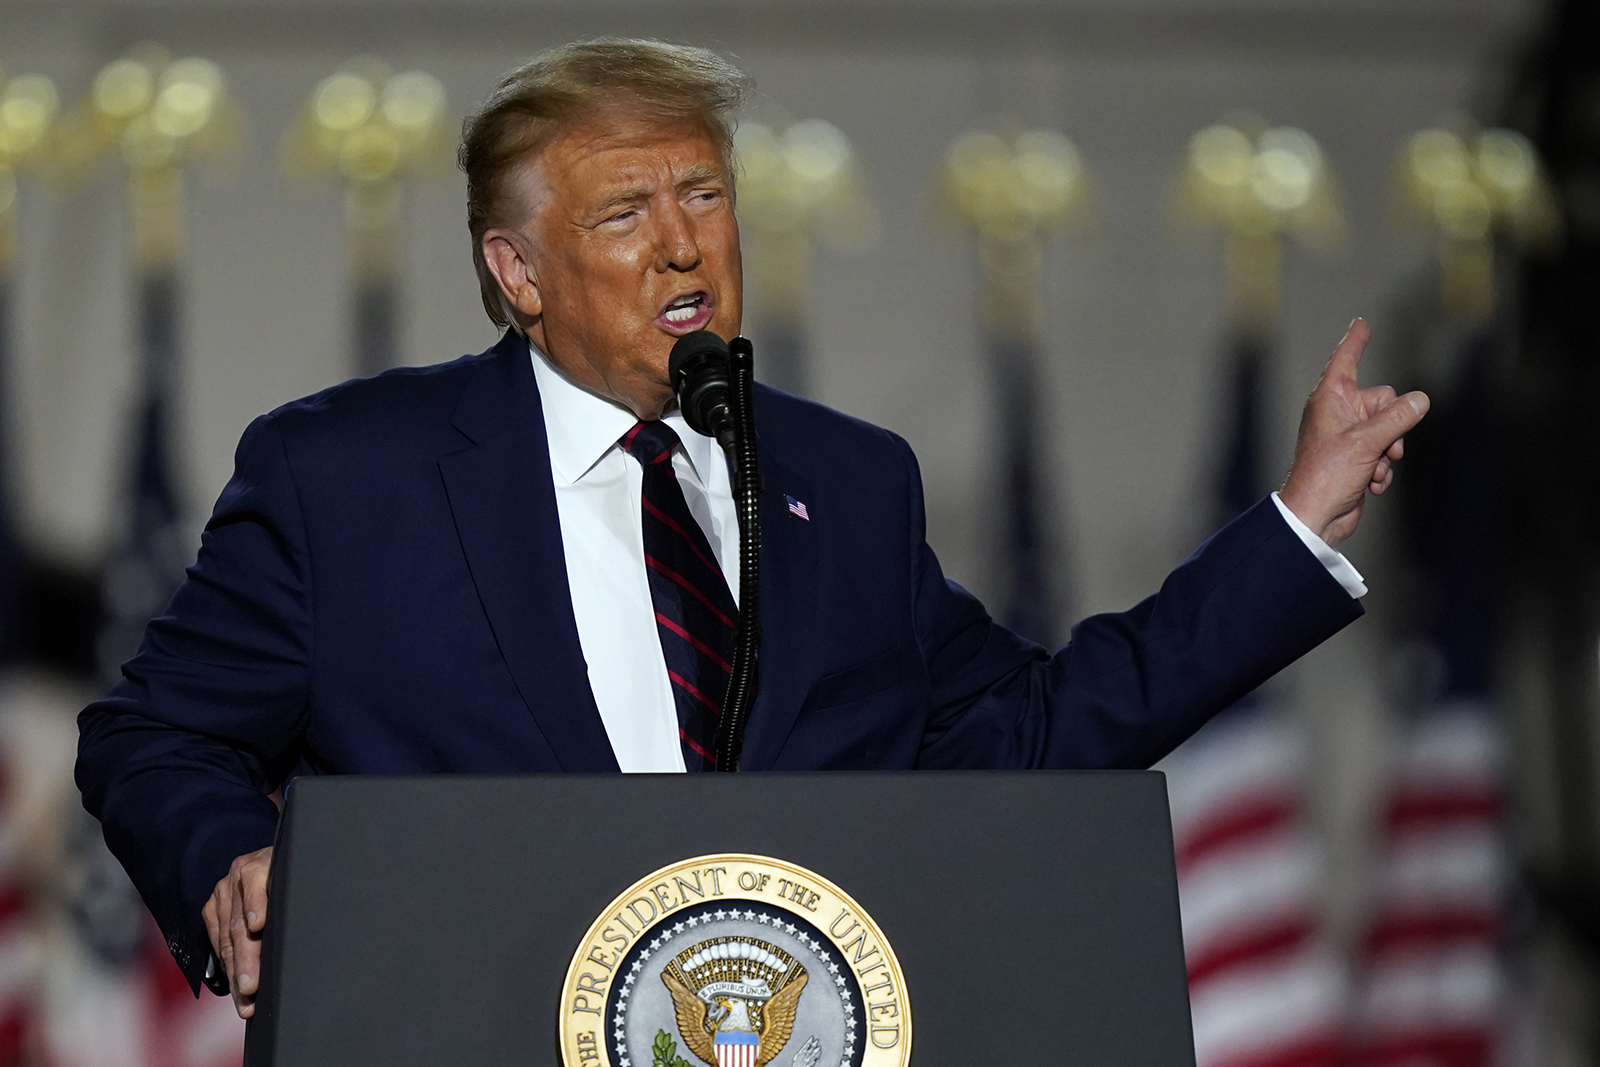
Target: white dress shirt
598,488
1343,571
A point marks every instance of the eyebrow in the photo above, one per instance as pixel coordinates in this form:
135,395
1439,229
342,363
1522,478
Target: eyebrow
618,199
695,176
700,174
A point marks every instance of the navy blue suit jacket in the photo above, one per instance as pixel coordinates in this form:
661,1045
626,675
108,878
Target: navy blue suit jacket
382,589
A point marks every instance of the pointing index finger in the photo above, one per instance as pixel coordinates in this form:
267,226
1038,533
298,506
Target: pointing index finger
1347,356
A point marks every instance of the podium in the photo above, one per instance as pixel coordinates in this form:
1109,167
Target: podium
1024,917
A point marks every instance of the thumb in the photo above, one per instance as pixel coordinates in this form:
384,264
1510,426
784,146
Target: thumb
1396,419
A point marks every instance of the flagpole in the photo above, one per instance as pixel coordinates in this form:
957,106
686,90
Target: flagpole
371,128
1258,187
11,564
1240,804
1440,905
799,187
153,114
28,106
1012,190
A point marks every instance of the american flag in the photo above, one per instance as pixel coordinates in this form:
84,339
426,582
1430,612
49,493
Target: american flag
1433,986
138,1013
19,945
11,562
117,999
156,545
1033,556
1264,988
1432,992
798,509
19,937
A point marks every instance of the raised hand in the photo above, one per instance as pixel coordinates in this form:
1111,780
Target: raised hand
235,916
1350,439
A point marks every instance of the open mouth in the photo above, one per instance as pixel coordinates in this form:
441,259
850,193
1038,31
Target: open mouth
686,313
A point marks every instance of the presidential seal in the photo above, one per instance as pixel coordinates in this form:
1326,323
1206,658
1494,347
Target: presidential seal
734,961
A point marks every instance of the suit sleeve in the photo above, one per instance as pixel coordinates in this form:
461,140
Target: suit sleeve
179,758
1131,686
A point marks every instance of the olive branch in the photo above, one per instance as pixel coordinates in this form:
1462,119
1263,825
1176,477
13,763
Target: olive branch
666,1052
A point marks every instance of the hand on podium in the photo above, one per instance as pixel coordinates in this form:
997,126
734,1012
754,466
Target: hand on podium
235,916
1350,439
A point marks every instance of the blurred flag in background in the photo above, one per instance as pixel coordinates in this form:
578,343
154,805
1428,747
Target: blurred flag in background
1432,987
155,546
116,998
1034,556
19,942
1264,987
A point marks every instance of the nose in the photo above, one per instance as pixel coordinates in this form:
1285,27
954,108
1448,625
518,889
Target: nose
676,246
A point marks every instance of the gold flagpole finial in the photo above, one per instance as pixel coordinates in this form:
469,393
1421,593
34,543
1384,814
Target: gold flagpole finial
1012,190
155,113
798,185
1470,186
1258,185
28,106
370,127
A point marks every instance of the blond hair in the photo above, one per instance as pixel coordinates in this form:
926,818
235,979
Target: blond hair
559,88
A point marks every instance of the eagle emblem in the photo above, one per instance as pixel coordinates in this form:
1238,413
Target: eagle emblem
735,999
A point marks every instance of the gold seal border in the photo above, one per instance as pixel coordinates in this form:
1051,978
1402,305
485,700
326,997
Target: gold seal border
599,1054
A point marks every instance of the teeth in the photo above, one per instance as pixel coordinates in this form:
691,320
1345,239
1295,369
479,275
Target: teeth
682,314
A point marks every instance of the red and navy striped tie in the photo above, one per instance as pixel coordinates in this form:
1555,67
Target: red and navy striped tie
695,611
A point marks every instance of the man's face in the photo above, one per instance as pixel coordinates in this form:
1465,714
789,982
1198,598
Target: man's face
629,243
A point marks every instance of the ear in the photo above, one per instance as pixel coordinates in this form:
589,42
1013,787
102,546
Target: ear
510,260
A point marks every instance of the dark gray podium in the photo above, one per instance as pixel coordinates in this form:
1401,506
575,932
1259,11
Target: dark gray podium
432,920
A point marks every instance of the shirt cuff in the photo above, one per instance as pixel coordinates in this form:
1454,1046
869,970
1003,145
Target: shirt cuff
1343,570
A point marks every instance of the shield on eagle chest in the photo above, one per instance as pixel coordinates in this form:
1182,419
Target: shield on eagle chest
737,1048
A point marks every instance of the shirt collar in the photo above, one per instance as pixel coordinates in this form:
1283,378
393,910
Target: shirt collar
582,427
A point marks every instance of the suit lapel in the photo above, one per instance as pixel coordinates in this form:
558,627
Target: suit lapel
788,612
504,505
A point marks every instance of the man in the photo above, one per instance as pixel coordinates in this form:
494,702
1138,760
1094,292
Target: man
525,561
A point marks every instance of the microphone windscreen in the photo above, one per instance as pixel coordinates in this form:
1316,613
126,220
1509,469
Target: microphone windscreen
699,370
689,346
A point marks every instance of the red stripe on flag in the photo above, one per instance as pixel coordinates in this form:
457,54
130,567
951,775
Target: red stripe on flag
1251,947
1424,806
1394,931
15,1025
12,902
693,640
1241,819
1437,1046
684,582
1313,1052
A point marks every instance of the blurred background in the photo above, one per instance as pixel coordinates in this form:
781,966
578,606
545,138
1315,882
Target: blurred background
1087,256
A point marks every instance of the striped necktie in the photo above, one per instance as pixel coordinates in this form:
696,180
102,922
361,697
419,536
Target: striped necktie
695,612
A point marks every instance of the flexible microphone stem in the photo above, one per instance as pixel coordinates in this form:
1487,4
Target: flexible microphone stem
715,385
746,491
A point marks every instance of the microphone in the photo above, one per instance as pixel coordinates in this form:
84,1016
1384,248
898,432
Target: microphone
699,372
715,382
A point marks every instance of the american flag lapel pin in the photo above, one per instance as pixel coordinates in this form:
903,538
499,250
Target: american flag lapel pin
797,508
